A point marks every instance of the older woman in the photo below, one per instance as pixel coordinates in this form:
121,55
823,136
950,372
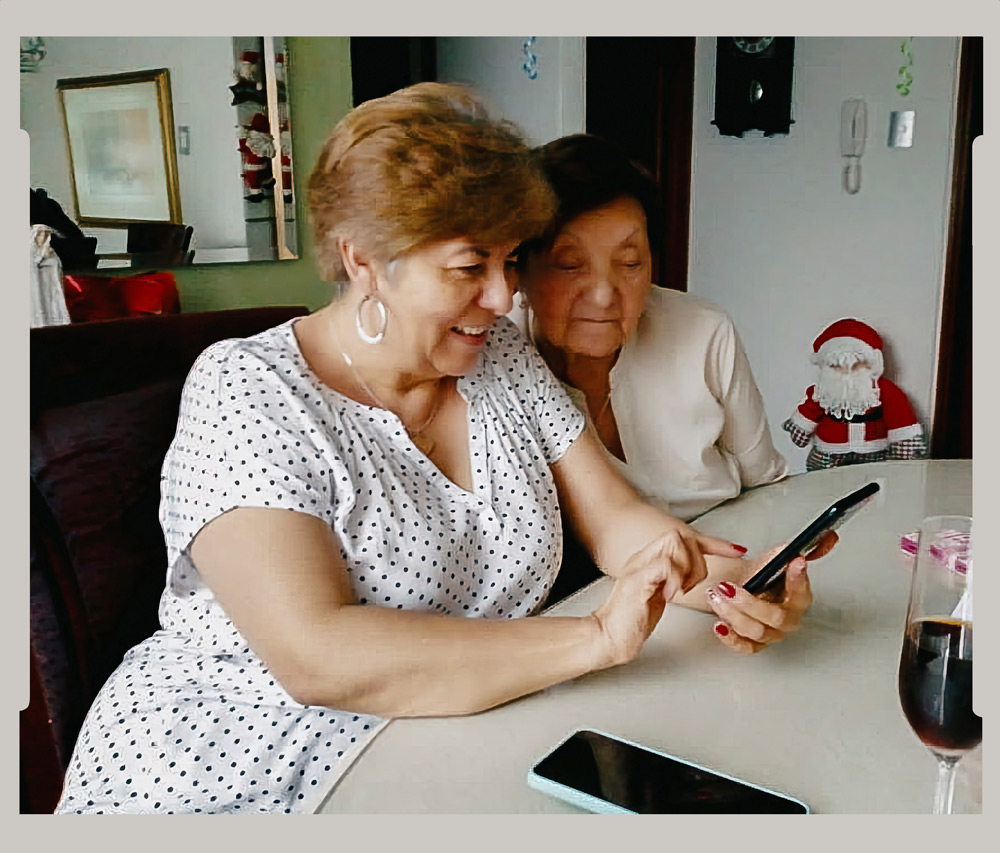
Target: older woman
661,374
361,506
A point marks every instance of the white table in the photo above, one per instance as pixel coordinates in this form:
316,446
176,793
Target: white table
825,699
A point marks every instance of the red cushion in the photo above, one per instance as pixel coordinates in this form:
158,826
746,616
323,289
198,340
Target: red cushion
94,297
149,293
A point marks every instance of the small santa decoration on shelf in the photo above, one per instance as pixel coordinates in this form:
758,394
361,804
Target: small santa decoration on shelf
853,414
257,150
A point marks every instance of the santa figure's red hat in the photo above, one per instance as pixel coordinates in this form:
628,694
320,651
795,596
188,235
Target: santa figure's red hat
260,123
847,342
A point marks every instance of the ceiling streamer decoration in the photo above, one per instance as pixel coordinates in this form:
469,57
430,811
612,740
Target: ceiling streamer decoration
530,64
905,75
32,52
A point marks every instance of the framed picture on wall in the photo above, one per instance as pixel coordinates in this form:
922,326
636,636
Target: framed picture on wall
120,137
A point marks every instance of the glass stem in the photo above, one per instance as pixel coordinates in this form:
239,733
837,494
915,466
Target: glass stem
945,793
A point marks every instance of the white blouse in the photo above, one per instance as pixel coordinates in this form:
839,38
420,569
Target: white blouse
690,416
192,720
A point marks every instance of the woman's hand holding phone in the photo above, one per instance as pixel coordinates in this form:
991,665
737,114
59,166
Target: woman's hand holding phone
773,595
760,601
748,623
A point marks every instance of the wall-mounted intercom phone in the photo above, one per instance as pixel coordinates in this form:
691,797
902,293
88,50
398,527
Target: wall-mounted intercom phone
853,130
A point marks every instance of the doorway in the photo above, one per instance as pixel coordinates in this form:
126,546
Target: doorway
951,437
640,94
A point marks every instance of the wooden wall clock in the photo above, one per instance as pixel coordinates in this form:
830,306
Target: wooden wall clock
753,84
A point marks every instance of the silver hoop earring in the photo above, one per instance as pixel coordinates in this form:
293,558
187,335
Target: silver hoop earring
383,318
525,305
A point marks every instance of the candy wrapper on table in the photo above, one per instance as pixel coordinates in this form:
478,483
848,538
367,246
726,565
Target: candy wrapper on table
951,549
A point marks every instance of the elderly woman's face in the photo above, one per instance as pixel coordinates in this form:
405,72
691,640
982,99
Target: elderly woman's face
442,300
588,291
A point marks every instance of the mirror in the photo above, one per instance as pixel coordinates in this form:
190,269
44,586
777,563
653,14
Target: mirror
206,149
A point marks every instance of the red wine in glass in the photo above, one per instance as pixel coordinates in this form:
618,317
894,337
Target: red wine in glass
935,684
935,666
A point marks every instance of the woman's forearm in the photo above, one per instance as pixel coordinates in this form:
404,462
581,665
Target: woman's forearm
281,580
397,663
627,525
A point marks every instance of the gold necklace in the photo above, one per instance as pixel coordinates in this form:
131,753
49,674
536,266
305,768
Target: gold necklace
425,445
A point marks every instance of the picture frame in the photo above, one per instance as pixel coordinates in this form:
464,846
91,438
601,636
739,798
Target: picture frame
120,139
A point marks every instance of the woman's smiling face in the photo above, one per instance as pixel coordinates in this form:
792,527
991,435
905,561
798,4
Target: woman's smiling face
588,291
443,299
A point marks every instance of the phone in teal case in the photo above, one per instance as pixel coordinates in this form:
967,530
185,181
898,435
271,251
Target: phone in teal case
605,774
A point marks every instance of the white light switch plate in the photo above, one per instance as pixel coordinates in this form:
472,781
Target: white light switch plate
901,128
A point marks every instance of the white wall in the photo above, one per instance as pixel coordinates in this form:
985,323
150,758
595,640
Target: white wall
779,244
201,70
774,238
545,108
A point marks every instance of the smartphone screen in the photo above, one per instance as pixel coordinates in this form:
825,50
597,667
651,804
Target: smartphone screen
647,782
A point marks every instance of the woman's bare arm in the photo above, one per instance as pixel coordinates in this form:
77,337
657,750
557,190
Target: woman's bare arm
281,578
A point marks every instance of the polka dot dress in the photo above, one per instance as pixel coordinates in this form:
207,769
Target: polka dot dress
192,721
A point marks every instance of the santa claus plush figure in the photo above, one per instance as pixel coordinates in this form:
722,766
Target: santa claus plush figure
257,148
852,414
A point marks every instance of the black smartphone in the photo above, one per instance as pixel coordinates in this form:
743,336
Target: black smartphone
605,774
832,517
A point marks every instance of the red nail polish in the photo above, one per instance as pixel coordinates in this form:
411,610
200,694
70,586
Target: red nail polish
739,548
721,630
727,589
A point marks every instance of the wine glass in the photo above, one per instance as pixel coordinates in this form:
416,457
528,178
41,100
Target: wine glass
935,666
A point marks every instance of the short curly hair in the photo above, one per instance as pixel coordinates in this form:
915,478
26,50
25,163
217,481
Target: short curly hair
423,164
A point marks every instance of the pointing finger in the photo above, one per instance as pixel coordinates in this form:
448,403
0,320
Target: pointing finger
718,547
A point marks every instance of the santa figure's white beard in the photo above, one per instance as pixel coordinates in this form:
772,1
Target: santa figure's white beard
844,395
